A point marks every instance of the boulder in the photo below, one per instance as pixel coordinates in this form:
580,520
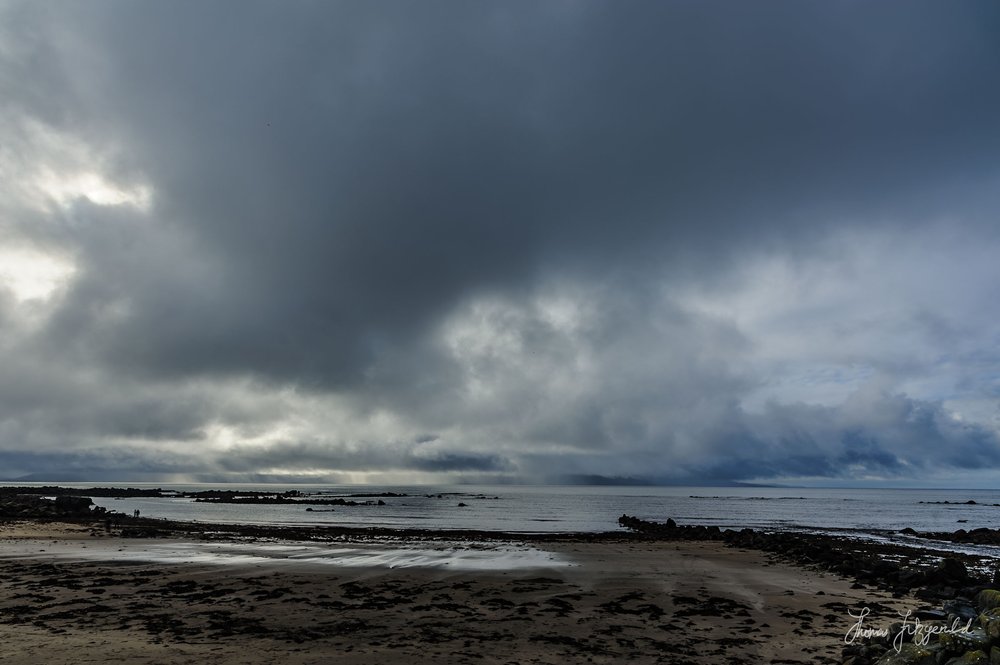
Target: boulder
961,609
987,599
974,640
909,654
970,658
949,571
74,504
930,614
990,623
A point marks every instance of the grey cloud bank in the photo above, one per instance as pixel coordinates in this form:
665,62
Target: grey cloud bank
409,241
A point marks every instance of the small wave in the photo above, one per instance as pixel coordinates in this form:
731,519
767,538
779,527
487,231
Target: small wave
752,498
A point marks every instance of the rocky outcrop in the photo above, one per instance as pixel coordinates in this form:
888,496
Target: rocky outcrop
50,490
670,530
31,506
292,497
981,536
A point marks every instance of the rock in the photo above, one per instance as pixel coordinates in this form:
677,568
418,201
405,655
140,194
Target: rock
463,505
973,640
990,623
987,599
909,654
873,651
994,656
930,614
982,536
926,633
850,651
26,506
908,531
140,532
970,658
960,609
910,577
671,524
949,571
74,504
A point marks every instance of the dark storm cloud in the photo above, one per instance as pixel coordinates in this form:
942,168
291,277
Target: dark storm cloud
349,172
335,183
872,435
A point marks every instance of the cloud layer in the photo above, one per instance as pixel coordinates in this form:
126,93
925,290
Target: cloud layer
442,240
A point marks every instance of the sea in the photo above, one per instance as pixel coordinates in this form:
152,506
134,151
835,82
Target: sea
869,513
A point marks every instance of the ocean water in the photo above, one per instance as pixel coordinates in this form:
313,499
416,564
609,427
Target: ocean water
548,509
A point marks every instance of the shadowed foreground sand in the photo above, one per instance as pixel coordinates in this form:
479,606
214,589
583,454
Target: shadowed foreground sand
637,602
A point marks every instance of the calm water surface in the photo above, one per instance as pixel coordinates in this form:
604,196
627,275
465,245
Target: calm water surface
593,509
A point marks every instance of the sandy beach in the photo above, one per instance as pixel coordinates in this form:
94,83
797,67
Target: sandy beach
70,595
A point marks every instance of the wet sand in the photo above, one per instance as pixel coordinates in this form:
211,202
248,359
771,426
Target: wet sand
599,602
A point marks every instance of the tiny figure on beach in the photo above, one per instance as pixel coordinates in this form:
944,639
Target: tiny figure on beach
135,513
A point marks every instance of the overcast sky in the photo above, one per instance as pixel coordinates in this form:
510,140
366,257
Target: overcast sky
421,241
